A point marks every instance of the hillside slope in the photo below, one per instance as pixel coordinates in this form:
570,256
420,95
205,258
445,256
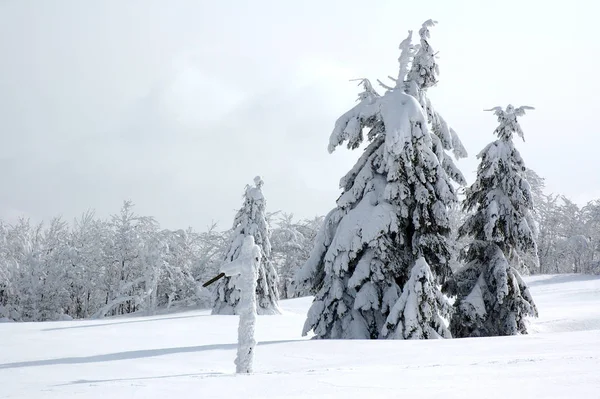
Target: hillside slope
190,355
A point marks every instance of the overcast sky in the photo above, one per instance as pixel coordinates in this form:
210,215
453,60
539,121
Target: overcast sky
177,105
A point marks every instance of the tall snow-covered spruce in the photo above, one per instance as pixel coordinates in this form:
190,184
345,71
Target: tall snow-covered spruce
492,298
383,251
250,220
423,75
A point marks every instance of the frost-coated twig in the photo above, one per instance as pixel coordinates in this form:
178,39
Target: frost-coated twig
384,85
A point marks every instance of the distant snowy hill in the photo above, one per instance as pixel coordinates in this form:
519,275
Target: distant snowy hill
190,355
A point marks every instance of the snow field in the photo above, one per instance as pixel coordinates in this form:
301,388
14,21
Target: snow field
190,355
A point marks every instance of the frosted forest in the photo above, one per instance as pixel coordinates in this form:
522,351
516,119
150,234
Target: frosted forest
285,200
408,251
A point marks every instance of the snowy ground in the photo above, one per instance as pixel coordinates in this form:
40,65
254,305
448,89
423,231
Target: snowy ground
190,355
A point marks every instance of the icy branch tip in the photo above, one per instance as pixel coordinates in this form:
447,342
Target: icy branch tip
363,81
406,43
510,109
429,23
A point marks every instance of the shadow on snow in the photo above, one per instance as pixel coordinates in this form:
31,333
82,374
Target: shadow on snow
125,322
131,355
158,377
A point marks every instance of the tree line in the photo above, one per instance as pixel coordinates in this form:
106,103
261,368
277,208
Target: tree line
96,267
55,270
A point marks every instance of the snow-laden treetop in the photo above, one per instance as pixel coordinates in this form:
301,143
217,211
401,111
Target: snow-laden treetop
508,121
418,71
250,219
501,196
425,70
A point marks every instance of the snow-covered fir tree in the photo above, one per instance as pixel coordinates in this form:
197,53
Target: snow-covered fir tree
250,220
382,252
423,75
492,298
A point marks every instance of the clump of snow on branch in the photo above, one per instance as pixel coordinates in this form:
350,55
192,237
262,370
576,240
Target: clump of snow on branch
420,311
407,53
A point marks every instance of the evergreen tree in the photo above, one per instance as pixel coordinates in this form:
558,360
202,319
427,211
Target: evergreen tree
492,298
423,75
250,221
390,223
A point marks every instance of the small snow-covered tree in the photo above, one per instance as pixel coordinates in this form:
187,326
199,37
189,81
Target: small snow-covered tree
20,286
549,215
37,259
390,223
53,289
250,220
88,244
153,265
492,298
530,260
291,241
8,277
213,248
176,281
127,272
591,225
